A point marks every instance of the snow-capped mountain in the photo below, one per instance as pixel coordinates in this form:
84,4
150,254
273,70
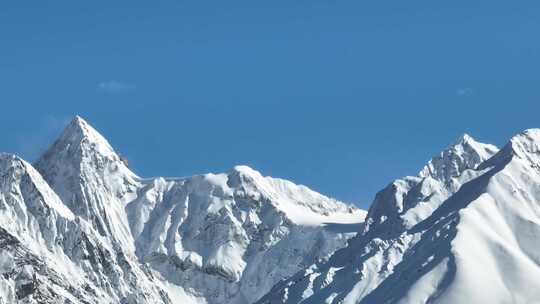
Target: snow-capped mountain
49,255
83,228
80,227
235,234
464,230
91,180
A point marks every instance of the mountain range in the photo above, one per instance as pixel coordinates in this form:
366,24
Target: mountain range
79,226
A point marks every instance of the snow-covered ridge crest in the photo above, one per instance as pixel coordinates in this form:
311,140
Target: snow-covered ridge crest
409,200
480,235
235,234
301,204
78,129
20,169
212,238
524,146
465,153
22,188
91,179
50,255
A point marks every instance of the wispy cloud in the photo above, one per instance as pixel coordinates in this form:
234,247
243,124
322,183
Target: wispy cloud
115,86
463,92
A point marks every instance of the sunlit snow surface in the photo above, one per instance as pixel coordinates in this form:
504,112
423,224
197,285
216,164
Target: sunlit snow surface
83,228
80,227
465,230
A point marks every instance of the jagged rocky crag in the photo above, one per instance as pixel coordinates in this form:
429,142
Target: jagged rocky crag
80,227
464,230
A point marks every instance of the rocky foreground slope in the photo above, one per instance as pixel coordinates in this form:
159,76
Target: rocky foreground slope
80,227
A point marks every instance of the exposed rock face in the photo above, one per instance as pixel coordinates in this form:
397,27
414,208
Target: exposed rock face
409,200
91,180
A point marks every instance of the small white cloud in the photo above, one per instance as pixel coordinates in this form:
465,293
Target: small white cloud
115,86
463,92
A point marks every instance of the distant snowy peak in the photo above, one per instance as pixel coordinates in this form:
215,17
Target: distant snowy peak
15,171
526,145
79,131
465,153
299,203
230,236
22,188
81,143
407,201
91,179
49,255
225,237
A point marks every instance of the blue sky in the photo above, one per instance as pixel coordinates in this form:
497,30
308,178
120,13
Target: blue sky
342,96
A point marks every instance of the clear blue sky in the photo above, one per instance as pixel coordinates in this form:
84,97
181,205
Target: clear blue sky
342,96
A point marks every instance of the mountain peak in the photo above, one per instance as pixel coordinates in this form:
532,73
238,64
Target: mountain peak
467,140
464,139
4,156
78,119
438,179
242,174
246,171
465,153
91,179
525,145
427,239
80,133
529,136
77,125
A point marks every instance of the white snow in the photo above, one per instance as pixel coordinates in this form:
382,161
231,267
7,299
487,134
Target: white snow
83,227
212,238
465,230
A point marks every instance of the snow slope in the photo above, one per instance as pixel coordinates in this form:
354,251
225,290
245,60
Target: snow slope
465,230
91,179
230,237
83,228
49,255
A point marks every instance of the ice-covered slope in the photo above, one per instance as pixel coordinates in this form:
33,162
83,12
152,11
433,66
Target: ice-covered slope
409,200
91,179
49,255
83,228
229,237
119,238
474,241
